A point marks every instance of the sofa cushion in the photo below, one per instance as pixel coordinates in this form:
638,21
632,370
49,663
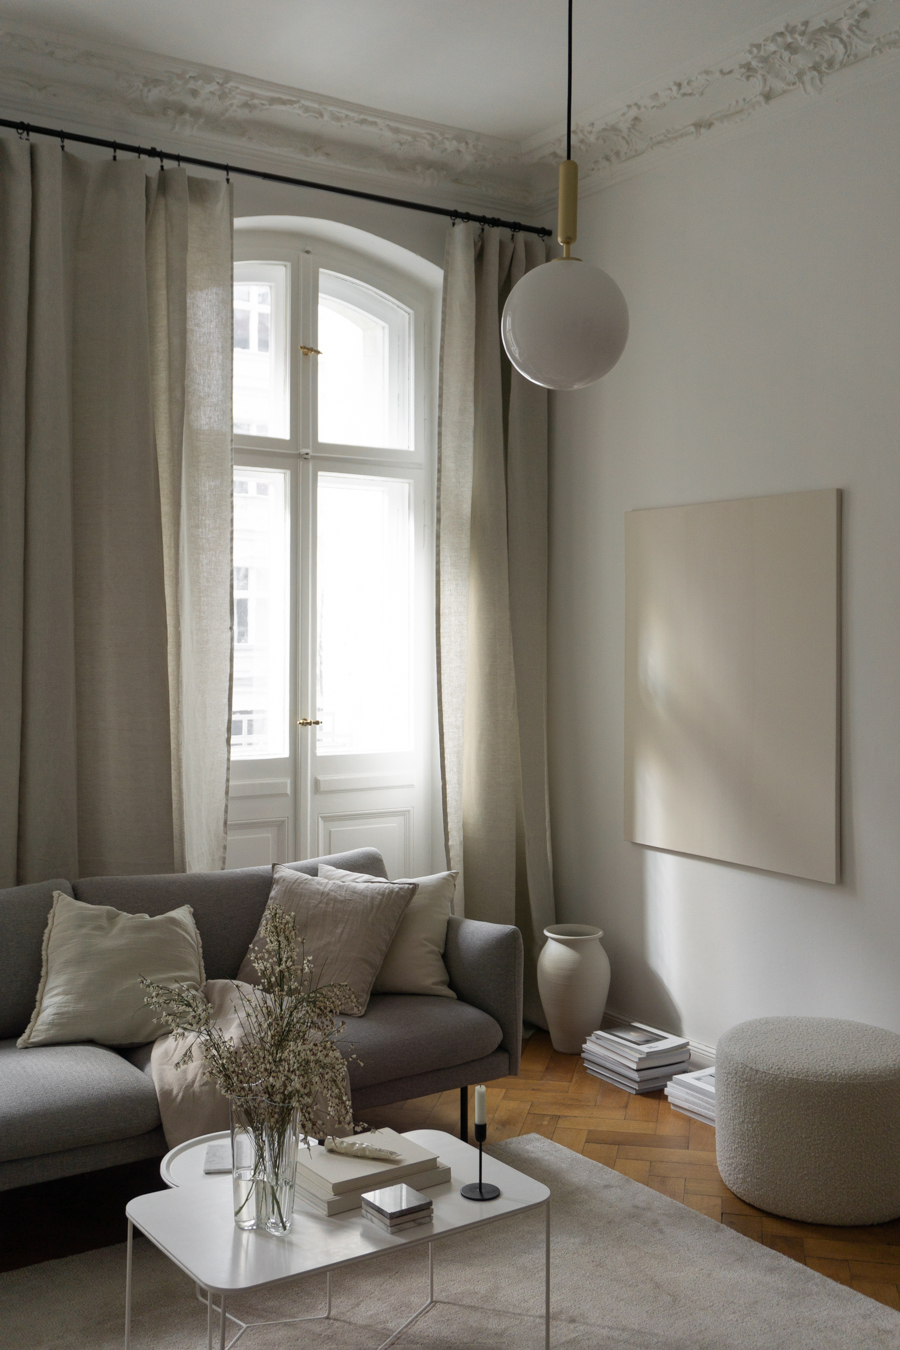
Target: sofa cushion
94,960
414,963
405,1034
23,918
227,905
58,1097
342,928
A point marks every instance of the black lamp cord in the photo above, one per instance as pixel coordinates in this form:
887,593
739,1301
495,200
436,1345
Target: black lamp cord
569,92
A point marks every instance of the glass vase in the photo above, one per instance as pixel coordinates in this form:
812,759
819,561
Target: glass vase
264,1140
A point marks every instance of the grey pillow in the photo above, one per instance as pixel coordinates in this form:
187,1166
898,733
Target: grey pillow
347,927
415,959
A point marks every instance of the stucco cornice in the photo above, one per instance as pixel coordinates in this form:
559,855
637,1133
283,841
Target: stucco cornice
50,75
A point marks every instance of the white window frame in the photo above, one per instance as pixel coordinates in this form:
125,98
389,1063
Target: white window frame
303,455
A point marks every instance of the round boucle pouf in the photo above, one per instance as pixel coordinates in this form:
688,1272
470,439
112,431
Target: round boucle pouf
807,1114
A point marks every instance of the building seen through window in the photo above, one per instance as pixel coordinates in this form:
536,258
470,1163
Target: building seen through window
261,623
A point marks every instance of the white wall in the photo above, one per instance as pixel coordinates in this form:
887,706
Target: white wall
762,272
421,233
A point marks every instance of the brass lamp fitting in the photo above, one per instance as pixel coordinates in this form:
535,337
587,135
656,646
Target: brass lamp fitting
567,225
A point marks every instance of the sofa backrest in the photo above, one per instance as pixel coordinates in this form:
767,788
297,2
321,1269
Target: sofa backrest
23,918
227,909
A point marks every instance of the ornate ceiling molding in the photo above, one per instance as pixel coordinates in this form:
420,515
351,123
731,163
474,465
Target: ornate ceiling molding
143,94
802,56
48,75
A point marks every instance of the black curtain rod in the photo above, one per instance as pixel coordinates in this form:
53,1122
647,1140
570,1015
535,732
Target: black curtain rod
151,152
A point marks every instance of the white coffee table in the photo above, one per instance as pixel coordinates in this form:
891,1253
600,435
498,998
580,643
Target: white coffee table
193,1225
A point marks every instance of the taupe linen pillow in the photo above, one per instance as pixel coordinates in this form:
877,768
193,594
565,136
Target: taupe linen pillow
347,927
93,959
414,963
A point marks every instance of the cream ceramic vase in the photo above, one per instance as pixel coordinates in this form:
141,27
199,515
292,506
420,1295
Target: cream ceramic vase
573,981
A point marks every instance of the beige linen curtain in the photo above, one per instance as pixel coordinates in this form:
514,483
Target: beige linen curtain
492,598
115,516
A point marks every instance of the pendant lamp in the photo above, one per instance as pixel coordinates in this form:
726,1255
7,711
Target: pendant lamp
565,324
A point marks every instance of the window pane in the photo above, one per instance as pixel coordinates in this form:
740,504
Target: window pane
364,656
261,404
259,724
364,386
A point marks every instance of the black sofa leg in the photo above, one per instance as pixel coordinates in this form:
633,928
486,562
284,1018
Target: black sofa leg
464,1114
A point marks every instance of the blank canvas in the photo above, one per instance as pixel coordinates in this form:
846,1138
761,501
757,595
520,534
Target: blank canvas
732,681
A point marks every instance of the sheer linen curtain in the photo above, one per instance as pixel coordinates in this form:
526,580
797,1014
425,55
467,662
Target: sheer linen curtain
492,553
115,516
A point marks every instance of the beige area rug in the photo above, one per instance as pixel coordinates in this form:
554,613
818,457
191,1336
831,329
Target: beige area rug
631,1269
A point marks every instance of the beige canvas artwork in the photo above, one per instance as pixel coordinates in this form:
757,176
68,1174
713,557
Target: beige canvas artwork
732,681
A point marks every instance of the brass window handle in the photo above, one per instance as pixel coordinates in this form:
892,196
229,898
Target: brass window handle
310,351
309,722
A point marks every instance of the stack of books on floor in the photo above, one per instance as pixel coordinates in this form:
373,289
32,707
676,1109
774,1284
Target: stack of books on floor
635,1057
396,1208
332,1183
694,1094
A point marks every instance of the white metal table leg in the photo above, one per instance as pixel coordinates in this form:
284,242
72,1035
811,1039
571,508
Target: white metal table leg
128,1285
419,1311
222,1324
547,1275
209,1322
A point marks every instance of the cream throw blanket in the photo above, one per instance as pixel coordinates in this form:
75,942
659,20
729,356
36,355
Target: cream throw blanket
190,1104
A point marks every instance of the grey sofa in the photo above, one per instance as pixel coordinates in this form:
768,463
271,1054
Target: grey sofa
76,1108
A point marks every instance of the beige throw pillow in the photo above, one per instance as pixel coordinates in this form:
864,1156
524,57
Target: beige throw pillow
414,962
93,959
347,927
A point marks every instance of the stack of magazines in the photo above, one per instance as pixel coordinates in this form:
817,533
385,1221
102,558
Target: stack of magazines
694,1094
396,1208
332,1183
635,1057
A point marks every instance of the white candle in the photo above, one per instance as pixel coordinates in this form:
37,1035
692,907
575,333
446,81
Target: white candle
481,1106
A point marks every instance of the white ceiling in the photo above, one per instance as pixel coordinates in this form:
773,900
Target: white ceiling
492,66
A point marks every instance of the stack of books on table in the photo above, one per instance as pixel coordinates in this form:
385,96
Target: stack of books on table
635,1057
395,1208
694,1094
332,1183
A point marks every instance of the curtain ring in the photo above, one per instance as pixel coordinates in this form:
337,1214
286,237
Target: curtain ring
115,152
62,141
162,166
23,131
227,174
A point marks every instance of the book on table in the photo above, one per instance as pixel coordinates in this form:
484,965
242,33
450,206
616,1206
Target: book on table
387,1227
395,1208
328,1174
397,1202
331,1205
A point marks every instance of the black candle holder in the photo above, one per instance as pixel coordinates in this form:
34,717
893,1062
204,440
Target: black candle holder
480,1190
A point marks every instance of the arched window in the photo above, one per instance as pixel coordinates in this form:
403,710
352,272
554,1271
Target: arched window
335,352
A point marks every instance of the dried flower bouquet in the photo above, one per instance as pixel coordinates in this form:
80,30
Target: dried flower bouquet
284,1075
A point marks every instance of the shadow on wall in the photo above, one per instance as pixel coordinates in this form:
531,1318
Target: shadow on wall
643,955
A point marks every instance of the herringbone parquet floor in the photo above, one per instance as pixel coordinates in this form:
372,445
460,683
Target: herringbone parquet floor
658,1147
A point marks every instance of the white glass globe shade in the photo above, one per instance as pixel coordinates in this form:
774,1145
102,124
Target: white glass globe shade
565,324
